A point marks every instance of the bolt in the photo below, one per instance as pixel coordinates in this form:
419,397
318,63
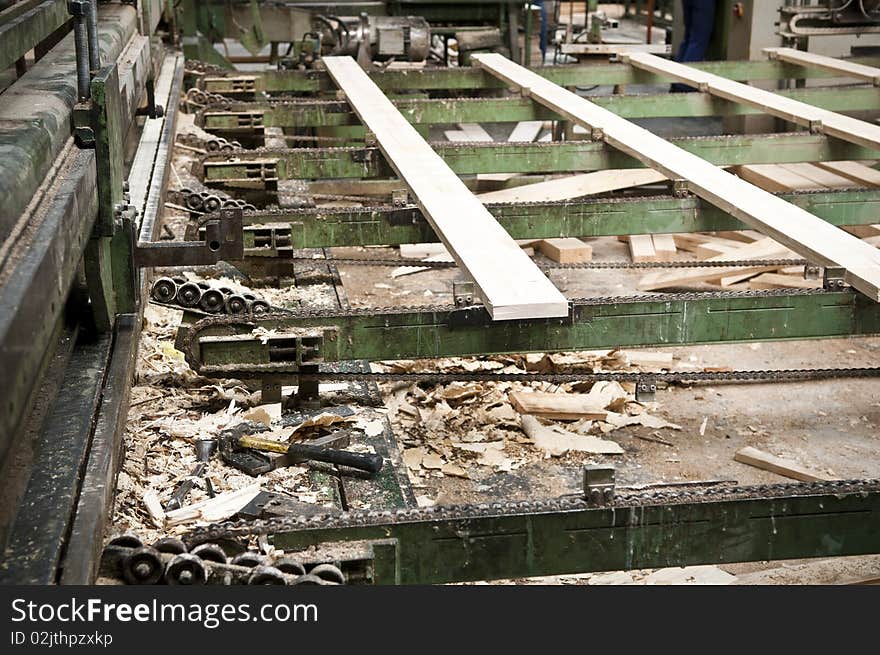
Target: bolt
142,570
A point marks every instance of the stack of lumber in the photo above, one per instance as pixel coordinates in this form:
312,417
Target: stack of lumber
749,244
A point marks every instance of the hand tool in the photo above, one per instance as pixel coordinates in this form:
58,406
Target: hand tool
233,442
204,450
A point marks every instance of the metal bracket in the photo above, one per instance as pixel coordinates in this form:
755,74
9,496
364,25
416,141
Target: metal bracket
816,127
598,485
400,197
812,272
463,293
680,188
224,240
645,390
834,278
597,134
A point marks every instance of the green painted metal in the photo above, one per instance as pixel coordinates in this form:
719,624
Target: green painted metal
683,533
503,110
561,157
471,78
108,257
327,227
639,321
26,24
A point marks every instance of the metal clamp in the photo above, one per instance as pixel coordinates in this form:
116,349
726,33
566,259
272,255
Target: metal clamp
463,293
680,188
646,390
224,240
834,278
598,485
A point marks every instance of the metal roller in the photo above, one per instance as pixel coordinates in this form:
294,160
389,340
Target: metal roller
164,290
189,294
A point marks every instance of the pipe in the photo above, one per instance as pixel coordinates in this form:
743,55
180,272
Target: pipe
94,50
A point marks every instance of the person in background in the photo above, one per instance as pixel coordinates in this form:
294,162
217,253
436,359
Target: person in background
699,21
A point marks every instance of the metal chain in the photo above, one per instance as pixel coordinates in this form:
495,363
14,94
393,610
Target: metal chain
623,498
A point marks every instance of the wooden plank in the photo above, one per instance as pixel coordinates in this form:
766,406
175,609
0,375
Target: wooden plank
821,120
812,60
779,281
774,178
564,406
824,178
508,282
525,131
763,249
566,250
574,186
664,247
641,248
808,235
854,170
784,467
474,132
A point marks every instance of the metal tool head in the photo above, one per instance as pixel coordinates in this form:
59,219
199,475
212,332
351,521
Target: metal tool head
205,448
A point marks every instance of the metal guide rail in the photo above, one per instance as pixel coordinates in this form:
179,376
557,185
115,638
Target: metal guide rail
240,165
277,232
215,80
226,346
600,529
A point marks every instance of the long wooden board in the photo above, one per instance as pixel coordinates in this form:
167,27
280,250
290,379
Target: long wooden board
509,283
812,60
574,186
820,120
804,233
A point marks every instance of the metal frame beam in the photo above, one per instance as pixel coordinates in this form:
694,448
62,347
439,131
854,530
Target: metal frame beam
449,545
558,157
328,113
228,348
438,79
327,227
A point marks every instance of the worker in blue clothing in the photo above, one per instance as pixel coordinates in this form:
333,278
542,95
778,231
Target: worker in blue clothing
699,21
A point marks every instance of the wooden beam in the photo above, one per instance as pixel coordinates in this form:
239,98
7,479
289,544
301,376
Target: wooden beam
818,120
806,234
525,131
812,60
509,283
566,250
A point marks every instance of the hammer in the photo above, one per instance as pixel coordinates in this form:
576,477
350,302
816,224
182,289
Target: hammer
316,451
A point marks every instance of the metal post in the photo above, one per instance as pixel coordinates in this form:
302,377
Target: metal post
94,50
78,9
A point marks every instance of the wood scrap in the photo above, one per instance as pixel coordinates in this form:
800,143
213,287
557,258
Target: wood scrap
154,508
664,247
421,250
525,131
765,248
784,467
214,509
641,248
566,250
557,405
778,281
556,442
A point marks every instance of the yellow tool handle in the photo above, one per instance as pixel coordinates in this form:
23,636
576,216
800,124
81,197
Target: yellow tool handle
266,445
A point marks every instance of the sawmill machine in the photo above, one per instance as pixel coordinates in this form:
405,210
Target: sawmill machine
91,102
